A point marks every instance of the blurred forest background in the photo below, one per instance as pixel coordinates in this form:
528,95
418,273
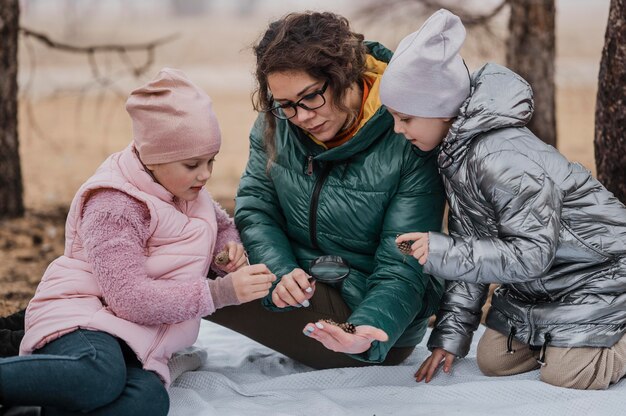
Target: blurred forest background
71,105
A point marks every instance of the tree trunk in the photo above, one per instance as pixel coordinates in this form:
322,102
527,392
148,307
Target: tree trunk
11,198
531,52
610,138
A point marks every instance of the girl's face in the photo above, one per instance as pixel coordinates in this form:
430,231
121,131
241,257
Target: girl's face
289,87
423,133
184,178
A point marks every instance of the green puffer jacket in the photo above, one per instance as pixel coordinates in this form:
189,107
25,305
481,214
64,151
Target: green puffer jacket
350,201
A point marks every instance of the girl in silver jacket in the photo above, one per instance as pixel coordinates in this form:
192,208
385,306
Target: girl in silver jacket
520,215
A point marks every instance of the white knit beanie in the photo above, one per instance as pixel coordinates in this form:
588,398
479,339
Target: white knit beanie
173,119
426,76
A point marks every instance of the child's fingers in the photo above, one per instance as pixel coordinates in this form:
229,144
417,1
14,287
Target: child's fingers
421,371
258,269
410,237
235,254
419,250
261,282
428,367
432,368
447,364
240,262
258,293
235,251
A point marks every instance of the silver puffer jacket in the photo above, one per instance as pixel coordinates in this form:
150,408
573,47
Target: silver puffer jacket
523,216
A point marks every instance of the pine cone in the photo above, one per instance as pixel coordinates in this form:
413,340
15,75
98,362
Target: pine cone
405,247
347,326
221,259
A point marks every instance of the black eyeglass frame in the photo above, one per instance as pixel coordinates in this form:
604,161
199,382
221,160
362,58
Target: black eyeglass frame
276,111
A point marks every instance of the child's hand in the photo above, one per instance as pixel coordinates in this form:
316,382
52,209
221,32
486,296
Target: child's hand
236,255
419,248
294,289
336,339
430,365
252,282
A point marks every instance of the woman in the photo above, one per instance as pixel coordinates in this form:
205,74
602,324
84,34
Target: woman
327,175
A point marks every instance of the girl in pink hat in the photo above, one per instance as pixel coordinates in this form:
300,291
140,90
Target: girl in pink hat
131,287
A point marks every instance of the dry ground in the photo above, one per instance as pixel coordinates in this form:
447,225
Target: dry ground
66,133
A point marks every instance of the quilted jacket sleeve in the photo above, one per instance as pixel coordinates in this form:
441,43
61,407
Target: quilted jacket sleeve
258,214
460,311
397,288
458,317
526,204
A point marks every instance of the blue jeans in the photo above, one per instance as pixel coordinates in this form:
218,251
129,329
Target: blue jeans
83,372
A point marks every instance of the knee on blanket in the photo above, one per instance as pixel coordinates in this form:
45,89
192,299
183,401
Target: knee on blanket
577,368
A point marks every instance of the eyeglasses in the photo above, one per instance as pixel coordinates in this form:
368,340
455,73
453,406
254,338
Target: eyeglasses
311,101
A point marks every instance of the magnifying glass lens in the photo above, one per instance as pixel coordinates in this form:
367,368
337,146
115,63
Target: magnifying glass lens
329,269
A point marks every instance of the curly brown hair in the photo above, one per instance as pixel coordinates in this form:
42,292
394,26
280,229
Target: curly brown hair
319,44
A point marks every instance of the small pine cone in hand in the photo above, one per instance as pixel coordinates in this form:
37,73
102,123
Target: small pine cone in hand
221,259
405,247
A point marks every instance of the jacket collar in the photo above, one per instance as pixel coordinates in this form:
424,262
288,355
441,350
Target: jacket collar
499,98
376,119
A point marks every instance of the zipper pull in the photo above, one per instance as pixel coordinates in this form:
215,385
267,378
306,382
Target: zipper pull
309,167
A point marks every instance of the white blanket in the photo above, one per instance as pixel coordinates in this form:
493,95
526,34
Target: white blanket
228,374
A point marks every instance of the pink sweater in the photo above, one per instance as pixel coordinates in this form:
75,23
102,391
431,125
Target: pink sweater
115,231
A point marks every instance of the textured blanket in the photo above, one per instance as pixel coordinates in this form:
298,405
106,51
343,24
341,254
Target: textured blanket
228,374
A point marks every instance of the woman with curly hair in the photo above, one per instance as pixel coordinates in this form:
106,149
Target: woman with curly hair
327,175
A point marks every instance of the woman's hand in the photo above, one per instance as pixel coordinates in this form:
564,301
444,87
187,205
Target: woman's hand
430,365
236,255
419,248
336,339
252,282
294,289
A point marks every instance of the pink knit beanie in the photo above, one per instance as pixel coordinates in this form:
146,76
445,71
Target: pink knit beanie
172,119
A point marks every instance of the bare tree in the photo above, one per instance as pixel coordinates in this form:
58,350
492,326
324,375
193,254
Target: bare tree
531,53
530,43
11,192
11,185
610,134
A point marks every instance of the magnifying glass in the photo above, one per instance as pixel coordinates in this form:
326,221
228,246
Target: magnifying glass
329,269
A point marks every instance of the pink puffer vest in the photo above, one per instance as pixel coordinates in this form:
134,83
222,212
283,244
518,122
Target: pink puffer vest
182,238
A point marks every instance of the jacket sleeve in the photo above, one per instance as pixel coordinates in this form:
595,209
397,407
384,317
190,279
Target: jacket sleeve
259,217
458,317
396,290
460,311
526,205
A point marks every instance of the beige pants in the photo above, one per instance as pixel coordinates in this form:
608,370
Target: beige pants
577,368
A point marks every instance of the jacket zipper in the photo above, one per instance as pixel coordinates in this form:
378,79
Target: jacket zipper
309,166
319,183
157,340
